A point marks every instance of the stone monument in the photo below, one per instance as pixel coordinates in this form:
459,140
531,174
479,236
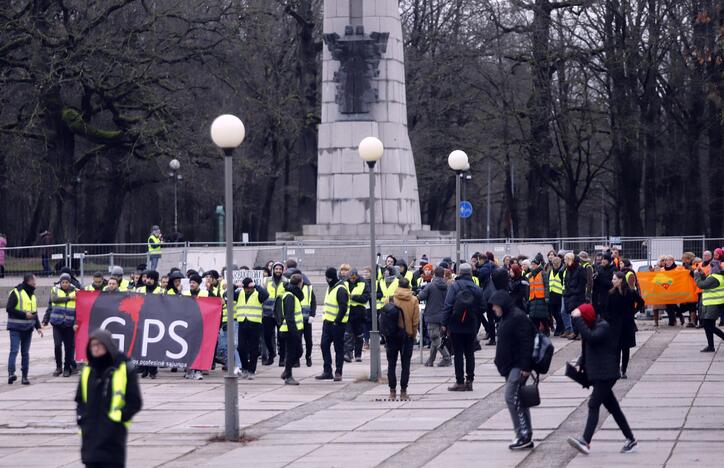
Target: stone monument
363,94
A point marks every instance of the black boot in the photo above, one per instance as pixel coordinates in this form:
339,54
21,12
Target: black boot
57,372
24,380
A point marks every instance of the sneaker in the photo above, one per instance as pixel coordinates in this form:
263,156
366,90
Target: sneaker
309,361
522,444
250,376
393,395
580,445
347,358
707,350
468,385
290,381
57,372
445,363
358,359
338,377
243,374
25,380
12,378
197,376
238,371
629,446
429,363
458,387
324,377
404,396
66,373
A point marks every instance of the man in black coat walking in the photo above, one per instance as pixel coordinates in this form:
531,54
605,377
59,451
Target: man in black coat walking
107,398
462,315
514,360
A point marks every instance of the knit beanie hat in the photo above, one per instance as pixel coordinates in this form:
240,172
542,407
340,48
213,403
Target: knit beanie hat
588,313
196,278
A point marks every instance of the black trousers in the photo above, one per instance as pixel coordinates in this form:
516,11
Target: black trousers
270,329
353,334
293,349
307,338
464,348
603,395
673,311
332,334
710,330
492,324
282,346
625,354
248,344
554,309
402,347
64,337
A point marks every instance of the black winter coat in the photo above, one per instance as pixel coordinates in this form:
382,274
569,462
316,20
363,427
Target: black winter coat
103,440
516,336
602,284
574,293
470,327
620,314
519,292
434,295
600,349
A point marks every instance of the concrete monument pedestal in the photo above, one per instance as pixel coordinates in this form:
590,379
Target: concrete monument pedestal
363,94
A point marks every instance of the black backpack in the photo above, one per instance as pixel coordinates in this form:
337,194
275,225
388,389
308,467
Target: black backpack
542,353
463,306
390,321
278,310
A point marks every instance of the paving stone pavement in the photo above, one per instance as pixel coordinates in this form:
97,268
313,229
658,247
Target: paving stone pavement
673,399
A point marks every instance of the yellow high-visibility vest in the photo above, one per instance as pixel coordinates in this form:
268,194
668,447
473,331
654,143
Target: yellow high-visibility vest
298,316
712,297
119,382
154,245
331,306
248,309
555,285
358,289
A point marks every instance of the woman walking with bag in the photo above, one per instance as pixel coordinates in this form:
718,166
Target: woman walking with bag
600,362
622,304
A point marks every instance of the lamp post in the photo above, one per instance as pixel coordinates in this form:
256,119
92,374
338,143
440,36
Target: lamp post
370,150
175,165
227,132
458,162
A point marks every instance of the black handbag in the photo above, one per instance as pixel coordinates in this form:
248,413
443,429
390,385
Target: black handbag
577,376
529,394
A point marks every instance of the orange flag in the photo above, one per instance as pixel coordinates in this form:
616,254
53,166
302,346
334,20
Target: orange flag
667,287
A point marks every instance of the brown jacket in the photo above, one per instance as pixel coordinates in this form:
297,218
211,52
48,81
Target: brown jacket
410,311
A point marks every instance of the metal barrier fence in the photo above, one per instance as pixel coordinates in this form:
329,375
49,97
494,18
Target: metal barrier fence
316,255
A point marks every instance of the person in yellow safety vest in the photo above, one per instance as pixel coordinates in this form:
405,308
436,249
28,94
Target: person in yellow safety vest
406,273
163,283
107,398
309,308
98,282
151,285
22,309
292,326
359,298
195,287
275,286
555,293
61,315
336,317
117,273
537,307
386,287
111,285
155,239
248,304
712,301
174,285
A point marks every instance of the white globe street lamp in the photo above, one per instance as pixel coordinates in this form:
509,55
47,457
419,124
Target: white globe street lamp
227,132
458,162
175,165
371,150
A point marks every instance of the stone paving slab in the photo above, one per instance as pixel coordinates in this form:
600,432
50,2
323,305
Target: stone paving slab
605,454
477,454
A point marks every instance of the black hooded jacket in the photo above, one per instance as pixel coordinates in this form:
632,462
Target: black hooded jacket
516,336
289,307
103,440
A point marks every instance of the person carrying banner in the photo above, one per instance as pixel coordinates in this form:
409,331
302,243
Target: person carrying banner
712,300
117,273
98,283
107,398
151,284
248,313
335,319
61,315
292,326
195,287
22,309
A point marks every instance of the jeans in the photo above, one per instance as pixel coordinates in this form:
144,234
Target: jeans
223,348
567,322
403,347
710,330
519,414
248,345
353,335
603,394
19,341
64,337
464,354
269,347
332,334
153,260
436,342
307,338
